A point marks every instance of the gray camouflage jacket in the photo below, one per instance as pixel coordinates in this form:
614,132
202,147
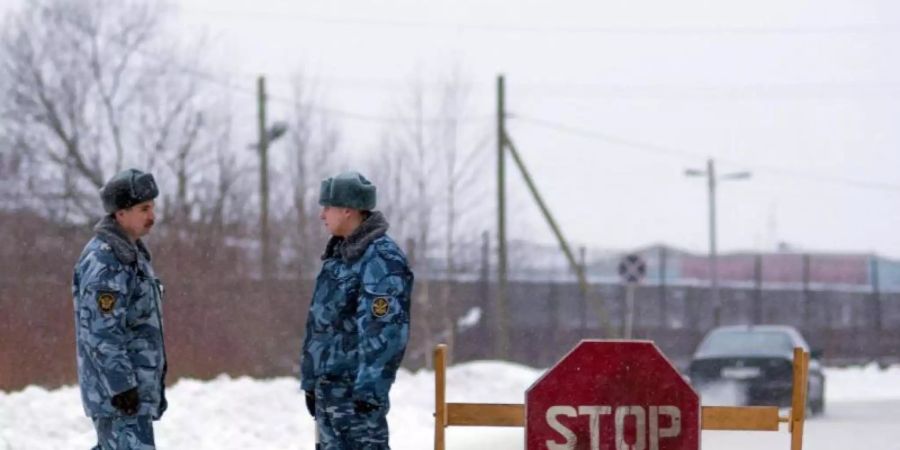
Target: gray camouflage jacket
118,324
358,323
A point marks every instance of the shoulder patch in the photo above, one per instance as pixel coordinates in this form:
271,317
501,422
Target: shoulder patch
380,306
106,301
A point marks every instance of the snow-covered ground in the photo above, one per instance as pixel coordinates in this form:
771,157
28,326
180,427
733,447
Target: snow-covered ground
244,413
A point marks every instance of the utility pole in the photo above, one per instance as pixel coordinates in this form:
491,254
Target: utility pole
875,329
807,293
263,148
757,290
580,273
710,174
502,339
713,250
267,135
663,300
505,143
485,270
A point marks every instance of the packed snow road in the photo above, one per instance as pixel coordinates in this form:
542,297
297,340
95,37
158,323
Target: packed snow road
847,425
863,412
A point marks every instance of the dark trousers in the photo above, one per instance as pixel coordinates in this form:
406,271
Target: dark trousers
124,433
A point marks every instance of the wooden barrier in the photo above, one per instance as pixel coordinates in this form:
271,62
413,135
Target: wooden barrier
745,418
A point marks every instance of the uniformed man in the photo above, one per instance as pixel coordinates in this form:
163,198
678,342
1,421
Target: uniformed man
358,322
118,319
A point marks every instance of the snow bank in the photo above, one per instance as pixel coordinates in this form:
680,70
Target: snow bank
869,383
242,413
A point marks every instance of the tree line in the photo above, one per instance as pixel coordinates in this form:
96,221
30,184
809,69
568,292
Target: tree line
91,87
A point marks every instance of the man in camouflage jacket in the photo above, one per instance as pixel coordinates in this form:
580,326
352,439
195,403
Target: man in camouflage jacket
118,319
358,322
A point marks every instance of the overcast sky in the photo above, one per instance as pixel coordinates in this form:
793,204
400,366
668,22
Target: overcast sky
612,101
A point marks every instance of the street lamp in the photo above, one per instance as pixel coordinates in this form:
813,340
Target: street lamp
710,174
267,135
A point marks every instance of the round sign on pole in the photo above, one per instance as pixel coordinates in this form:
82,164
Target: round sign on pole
632,269
612,395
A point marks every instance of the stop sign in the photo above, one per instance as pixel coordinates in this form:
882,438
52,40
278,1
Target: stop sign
612,395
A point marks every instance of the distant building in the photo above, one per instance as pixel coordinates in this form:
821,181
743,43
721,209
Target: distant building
665,264
816,270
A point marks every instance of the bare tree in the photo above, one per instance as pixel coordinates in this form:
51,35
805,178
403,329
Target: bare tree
415,144
388,162
462,159
223,192
180,130
12,164
313,148
430,166
90,82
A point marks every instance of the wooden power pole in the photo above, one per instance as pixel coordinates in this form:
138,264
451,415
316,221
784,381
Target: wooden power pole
501,341
263,148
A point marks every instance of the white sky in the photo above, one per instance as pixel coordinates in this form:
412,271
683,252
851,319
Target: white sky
808,87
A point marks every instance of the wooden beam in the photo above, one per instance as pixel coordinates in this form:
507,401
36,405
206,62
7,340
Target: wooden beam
759,418
486,414
798,401
440,401
750,418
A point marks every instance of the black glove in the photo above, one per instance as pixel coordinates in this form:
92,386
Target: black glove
364,407
311,402
127,402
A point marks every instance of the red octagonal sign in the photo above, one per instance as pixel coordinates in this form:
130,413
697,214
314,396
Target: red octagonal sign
612,395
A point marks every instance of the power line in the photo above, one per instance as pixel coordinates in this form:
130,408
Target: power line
754,90
886,90
819,177
672,151
213,79
615,90
210,78
565,88
488,27
653,148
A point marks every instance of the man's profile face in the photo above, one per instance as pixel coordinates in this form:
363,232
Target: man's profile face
137,220
336,220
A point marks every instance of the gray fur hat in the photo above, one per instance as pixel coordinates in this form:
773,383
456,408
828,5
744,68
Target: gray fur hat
348,190
126,189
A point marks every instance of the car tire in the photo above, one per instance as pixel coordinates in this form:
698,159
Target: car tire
817,404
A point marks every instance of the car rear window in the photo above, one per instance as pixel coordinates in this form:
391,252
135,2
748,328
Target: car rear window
726,343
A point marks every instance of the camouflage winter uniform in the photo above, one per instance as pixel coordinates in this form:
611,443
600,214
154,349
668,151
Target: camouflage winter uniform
119,337
356,334
119,433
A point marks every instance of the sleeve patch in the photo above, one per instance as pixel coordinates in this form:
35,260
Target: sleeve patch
380,306
106,301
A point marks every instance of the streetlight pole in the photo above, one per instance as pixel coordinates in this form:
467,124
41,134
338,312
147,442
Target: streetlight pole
501,342
267,135
712,179
265,257
713,251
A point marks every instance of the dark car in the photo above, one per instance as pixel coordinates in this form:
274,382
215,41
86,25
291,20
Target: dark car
755,365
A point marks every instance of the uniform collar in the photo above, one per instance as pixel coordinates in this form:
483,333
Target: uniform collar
352,247
112,233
